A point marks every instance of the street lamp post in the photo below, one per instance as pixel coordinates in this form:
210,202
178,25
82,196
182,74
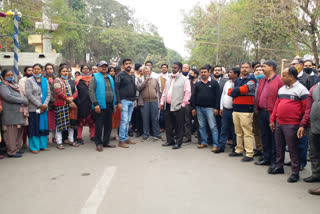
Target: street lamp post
218,39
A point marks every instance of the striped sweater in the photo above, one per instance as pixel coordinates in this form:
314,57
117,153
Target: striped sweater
243,94
290,105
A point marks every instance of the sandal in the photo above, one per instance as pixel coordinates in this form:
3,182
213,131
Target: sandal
68,142
74,144
60,146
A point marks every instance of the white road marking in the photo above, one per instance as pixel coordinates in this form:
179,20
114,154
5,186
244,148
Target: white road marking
92,204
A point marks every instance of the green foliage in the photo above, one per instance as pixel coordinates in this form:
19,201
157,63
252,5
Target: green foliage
250,30
26,24
105,29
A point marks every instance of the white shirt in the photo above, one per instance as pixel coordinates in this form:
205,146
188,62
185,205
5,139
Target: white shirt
226,100
165,76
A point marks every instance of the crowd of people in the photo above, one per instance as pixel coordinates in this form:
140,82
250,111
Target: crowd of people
250,107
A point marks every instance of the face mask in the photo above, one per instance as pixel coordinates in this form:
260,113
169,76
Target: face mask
191,77
65,77
37,76
9,79
185,73
259,77
88,74
308,70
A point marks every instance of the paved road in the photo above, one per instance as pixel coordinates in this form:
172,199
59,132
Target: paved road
146,179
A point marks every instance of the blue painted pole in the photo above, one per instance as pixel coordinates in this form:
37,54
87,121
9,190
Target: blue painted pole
16,44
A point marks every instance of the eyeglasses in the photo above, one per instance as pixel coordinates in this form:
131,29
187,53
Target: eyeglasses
217,70
293,64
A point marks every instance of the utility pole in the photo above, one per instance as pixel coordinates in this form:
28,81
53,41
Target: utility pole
218,39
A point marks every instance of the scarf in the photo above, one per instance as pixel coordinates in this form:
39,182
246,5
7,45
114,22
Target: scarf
44,116
23,109
86,79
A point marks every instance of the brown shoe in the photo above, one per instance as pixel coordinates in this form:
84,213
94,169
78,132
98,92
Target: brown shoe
201,146
214,149
35,152
130,142
99,148
315,191
123,144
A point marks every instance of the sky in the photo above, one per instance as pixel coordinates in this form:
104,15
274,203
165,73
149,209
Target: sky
167,16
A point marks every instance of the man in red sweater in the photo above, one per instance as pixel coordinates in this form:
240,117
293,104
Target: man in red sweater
265,99
288,111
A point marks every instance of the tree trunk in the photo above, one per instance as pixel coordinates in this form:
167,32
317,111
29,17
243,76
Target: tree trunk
315,52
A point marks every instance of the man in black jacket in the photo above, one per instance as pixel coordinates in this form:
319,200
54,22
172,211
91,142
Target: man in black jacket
126,98
205,103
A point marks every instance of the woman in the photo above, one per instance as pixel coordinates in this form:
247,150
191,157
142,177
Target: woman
38,93
63,102
22,86
73,111
15,113
85,116
49,68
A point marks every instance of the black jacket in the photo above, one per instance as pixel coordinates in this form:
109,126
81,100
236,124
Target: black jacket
125,87
83,100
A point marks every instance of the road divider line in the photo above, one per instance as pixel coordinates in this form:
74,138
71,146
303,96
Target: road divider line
97,195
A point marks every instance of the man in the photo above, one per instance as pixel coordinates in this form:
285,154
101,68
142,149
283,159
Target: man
266,97
94,69
174,98
305,79
287,112
103,98
188,110
193,77
255,65
308,68
136,120
217,75
126,98
149,95
227,127
205,104
311,115
258,74
185,70
163,79
243,103
153,74
22,82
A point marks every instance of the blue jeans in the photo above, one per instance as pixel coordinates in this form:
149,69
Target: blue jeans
227,127
303,149
126,113
205,115
161,119
150,111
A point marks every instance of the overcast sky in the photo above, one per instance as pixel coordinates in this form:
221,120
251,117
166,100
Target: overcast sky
167,16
